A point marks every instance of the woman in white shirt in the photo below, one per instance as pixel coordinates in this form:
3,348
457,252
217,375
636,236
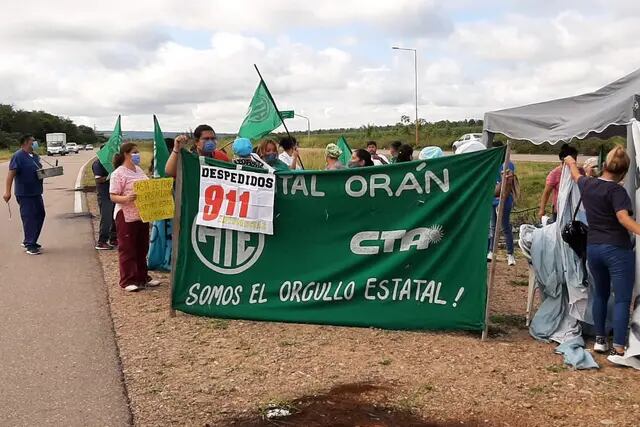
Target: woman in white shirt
289,154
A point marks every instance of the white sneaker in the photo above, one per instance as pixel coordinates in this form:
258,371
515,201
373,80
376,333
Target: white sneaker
601,345
632,362
132,288
511,260
152,283
490,257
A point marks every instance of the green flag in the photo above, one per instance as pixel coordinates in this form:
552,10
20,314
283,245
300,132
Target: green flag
160,151
287,114
112,147
346,150
262,116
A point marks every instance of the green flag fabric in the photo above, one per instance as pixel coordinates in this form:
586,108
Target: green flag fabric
112,146
262,116
401,247
287,114
160,150
346,150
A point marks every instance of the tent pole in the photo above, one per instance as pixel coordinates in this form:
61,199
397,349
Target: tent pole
496,235
175,236
630,182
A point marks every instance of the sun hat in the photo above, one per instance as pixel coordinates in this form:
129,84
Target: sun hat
333,151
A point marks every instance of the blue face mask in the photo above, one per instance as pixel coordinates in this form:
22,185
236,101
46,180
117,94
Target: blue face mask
209,146
35,145
270,157
135,158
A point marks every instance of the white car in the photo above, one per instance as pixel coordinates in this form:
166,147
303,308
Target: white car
72,147
467,138
470,147
88,147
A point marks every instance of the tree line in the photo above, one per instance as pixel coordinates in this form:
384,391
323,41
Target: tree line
14,123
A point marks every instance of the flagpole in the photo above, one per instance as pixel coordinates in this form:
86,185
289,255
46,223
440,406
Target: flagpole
496,235
266,88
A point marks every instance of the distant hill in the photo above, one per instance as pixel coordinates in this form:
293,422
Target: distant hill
141,135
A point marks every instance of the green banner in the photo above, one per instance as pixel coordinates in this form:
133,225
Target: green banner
401,246
287,114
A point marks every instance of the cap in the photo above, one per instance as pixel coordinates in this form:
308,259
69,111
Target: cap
242,147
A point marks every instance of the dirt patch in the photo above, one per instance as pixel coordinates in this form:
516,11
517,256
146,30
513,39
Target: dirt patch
343,406
199,371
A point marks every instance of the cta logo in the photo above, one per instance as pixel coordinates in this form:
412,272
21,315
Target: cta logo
374,242
226,251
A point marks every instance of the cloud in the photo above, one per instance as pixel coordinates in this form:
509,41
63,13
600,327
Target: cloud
332,61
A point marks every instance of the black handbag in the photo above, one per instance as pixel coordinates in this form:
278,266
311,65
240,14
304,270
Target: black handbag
575,234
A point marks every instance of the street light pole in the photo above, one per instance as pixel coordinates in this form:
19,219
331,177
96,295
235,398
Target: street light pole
415,63
308,127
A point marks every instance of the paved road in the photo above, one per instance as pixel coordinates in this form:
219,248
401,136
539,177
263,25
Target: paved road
58,357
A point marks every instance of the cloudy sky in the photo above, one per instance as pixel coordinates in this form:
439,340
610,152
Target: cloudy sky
190,62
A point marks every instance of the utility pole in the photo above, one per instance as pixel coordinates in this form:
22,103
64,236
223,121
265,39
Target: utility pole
415,63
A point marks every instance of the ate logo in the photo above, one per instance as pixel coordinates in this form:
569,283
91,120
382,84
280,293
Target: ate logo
259,110
226,251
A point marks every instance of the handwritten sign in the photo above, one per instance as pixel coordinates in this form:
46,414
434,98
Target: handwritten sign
236,199
154,199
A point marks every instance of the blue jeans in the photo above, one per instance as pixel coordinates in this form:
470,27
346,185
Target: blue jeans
32,214
612,266
506,225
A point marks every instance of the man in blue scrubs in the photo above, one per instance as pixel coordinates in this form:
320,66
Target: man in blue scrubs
23,168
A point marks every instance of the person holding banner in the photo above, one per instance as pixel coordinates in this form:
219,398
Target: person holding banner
268,151
243,151
405,154
360,158
332,154
394,150
133,234
378,159
290,155
206,144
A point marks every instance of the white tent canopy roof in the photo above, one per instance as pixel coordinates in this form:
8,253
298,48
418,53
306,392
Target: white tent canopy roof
603,113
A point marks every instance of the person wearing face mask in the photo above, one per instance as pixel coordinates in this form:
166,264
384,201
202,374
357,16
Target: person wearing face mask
133,234
360,158
206,144
268,151
23,169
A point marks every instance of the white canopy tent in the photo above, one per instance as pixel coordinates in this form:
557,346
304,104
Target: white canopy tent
613,110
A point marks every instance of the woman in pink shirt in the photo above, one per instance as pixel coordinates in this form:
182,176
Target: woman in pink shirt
552,184
133,234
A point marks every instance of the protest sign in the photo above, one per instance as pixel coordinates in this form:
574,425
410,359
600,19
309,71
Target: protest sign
401,247
154,199
236,199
